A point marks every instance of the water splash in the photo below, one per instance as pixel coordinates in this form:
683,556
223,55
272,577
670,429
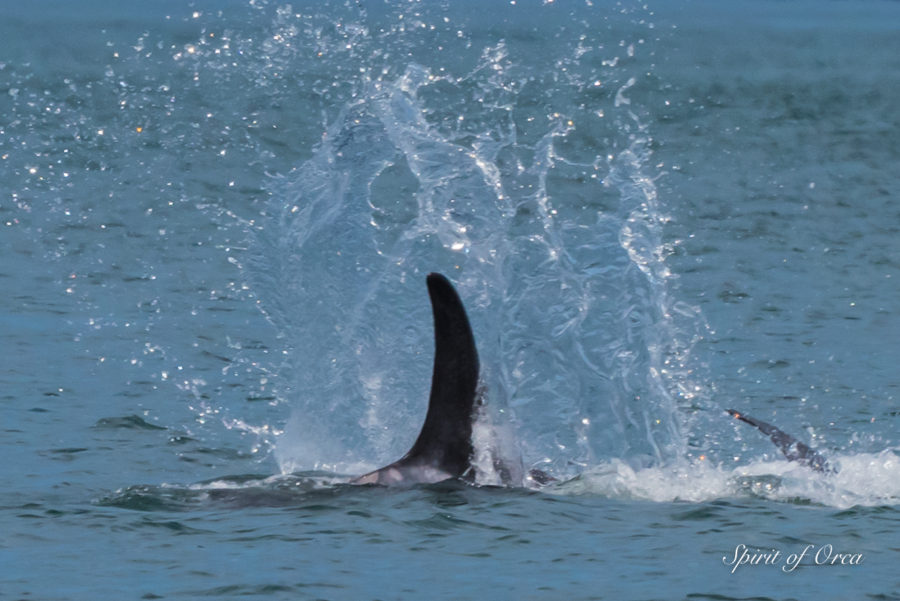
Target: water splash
524,175
535,193
864,479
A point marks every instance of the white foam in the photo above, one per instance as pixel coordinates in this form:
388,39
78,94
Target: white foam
863,479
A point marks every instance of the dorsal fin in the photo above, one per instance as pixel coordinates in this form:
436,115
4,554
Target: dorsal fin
792,448
446,436
444,447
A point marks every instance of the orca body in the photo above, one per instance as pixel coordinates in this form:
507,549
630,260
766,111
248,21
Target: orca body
792,448
443,449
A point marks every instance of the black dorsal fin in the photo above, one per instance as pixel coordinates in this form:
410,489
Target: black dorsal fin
792,448
444,447
446,437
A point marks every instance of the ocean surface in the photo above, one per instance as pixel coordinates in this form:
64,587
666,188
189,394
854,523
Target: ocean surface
216,219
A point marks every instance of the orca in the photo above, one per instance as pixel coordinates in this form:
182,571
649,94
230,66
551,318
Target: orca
792,448
443,449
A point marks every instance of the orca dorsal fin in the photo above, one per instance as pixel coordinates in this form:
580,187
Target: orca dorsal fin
443,448
792,448
446,436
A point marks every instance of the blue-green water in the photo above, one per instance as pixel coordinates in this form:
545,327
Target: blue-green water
215,223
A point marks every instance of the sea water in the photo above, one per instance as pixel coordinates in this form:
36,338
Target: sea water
215,224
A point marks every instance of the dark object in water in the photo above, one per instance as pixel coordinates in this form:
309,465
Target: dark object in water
792,448
443,449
